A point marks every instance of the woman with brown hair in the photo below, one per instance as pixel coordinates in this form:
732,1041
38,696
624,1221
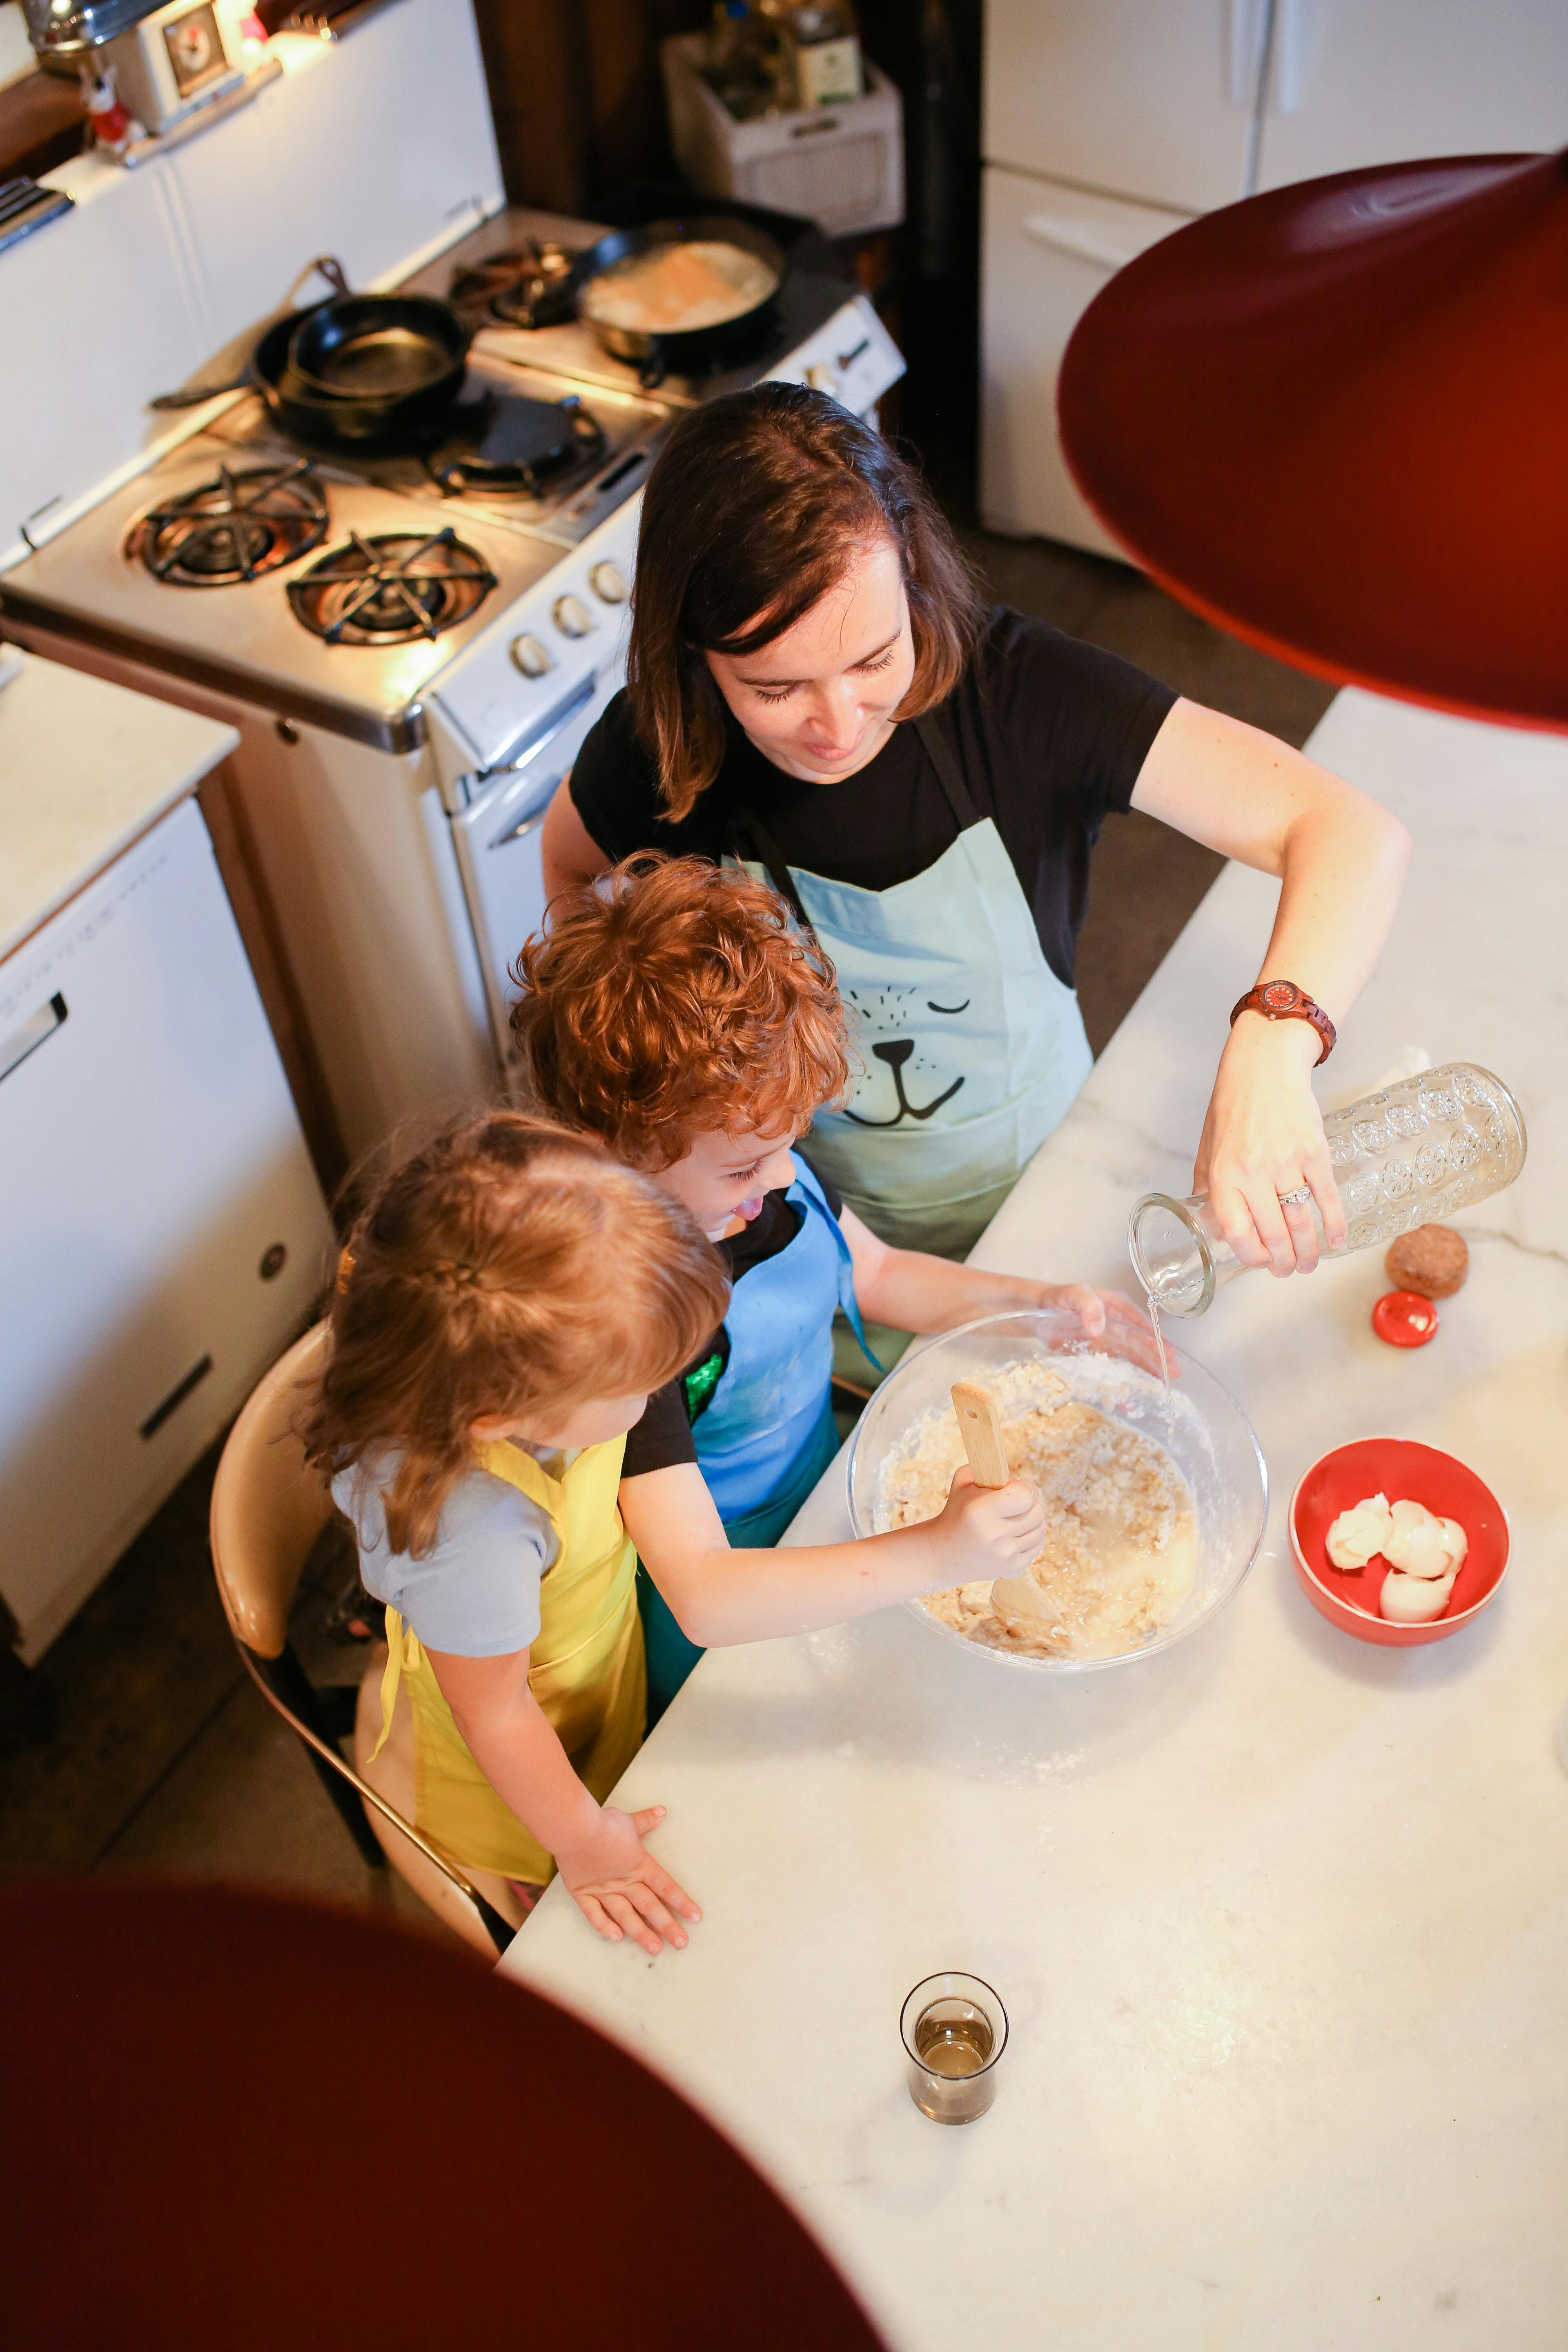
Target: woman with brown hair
814,687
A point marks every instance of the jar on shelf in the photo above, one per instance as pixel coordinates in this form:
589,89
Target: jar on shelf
1416,1152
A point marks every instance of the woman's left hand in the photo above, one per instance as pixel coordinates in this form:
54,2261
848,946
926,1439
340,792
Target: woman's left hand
1263,1140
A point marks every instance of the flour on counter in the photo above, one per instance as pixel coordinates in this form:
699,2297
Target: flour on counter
1120,1554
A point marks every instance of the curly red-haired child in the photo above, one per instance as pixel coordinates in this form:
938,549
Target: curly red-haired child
675,1010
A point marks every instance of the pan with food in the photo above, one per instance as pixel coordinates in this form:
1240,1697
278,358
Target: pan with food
678,297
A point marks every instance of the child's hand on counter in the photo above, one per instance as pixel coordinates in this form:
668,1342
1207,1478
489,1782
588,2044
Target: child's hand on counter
985,1531
618,1886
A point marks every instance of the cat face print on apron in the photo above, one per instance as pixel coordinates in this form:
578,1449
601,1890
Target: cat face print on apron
972,1049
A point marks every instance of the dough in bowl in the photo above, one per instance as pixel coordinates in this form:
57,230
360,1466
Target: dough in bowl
1120,1554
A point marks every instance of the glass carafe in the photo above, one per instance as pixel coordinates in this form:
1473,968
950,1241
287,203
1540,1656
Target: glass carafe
1419,1149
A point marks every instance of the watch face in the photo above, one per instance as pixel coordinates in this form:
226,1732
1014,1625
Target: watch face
1280,995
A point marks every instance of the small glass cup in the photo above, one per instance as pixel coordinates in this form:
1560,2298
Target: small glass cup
954,2029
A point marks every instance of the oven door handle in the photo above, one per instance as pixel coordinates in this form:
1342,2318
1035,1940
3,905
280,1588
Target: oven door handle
531,742
517,828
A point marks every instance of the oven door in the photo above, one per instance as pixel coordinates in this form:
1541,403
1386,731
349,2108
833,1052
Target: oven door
497,838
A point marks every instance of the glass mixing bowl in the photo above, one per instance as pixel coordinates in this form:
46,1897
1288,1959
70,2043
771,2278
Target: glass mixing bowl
1201,1425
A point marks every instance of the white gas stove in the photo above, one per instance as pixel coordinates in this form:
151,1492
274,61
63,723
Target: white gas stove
412,649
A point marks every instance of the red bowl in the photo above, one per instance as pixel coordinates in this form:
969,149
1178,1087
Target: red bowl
1406,1472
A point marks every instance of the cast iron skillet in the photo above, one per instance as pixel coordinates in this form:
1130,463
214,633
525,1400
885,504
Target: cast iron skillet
701,348
368,421
378,346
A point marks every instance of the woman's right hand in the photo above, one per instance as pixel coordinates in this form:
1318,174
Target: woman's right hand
986,1531
618,1886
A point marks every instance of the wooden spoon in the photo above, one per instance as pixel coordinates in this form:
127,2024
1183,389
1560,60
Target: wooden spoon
1017,1600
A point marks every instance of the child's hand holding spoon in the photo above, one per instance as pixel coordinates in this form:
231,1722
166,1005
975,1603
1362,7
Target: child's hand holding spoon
1017,1600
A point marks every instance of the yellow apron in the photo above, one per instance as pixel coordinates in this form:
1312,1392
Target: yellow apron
586,1669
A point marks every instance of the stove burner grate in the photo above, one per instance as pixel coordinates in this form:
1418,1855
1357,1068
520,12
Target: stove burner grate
517,446
390,588
234,528
528,285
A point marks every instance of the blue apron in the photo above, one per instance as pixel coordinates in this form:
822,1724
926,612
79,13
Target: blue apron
974,1050
768,1434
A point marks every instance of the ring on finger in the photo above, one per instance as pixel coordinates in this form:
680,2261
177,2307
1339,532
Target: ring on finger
1296,1200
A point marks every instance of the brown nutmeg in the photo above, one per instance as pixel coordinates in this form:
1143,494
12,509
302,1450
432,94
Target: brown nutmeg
1433,1261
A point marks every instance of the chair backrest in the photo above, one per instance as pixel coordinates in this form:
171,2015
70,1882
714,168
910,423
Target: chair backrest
268,1505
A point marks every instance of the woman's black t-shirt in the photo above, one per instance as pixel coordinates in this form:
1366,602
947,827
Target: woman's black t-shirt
1048,734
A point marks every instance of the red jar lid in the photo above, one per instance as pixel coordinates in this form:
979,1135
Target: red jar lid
1404,1319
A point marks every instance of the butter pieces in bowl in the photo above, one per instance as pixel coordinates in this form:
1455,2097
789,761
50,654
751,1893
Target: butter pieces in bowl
1397,1542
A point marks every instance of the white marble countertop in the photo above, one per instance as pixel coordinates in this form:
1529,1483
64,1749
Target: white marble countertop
85,768
1280,1919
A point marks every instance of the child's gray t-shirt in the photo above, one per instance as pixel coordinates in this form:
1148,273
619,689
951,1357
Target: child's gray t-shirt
476,1592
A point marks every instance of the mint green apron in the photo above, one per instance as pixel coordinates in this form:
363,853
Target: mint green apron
974,1050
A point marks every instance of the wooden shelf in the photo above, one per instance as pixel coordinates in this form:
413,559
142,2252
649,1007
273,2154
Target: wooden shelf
41,124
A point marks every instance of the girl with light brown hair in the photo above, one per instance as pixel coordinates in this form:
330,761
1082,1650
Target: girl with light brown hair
508,1298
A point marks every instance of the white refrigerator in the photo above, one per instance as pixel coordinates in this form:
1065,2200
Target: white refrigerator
1108,123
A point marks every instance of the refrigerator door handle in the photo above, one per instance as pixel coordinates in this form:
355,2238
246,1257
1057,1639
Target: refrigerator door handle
1247,46
35,1031
1078,243
1293,33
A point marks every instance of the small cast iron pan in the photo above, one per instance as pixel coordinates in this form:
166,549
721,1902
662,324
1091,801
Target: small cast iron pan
378,346
700,349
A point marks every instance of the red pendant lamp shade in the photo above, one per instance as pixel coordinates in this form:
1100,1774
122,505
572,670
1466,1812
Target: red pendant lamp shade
1334,419
234,2124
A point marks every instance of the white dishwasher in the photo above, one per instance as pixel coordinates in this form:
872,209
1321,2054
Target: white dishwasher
161,1232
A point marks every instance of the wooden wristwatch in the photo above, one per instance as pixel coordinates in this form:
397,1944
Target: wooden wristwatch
1281,1000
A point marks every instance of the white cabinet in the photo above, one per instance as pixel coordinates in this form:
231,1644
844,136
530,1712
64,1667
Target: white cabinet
1047,250
370,153
1386,81
1151,98
162,1234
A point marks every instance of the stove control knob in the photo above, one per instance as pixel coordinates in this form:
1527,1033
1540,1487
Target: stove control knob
573,617
531,658
608,583
821,377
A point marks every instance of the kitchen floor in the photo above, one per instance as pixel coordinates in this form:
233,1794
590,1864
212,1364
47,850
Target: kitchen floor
160,1753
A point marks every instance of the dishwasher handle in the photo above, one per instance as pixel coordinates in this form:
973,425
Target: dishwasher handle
35,1031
